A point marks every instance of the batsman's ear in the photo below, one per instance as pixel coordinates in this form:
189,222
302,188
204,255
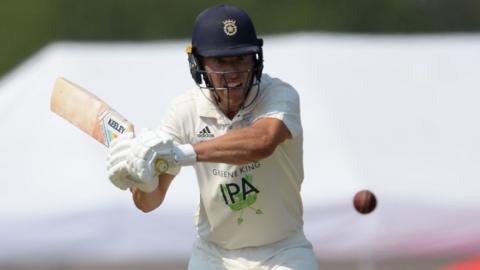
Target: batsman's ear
193,65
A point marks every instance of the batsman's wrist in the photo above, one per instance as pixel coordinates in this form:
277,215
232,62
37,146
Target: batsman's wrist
185,155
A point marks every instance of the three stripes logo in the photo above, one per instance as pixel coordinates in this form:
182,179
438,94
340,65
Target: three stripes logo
205,133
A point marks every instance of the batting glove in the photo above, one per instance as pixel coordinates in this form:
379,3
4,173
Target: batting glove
139,160
118,168
154,152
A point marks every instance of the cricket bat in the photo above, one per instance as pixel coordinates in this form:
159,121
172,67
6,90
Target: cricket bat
91,114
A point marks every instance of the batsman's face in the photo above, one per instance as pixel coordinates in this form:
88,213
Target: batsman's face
230,76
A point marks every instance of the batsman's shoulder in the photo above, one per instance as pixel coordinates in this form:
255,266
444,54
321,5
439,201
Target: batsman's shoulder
180,117
275,88
185,102
184,99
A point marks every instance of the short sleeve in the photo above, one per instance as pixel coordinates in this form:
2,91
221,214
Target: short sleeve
281,101
170,124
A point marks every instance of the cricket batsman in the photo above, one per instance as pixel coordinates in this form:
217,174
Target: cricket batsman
241,131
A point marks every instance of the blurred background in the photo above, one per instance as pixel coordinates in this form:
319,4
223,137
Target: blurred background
28,25
389,102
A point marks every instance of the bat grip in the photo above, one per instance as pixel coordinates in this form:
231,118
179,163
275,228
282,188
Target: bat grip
161,166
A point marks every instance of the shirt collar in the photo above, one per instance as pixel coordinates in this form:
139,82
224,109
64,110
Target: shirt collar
207,107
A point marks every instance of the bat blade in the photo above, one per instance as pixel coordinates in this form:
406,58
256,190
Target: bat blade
87,112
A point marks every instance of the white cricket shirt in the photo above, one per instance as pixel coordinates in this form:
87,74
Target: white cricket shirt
244,205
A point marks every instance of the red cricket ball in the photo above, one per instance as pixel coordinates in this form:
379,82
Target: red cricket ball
364,201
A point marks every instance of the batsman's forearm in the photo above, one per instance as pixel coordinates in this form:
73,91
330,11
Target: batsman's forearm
146,202
237,147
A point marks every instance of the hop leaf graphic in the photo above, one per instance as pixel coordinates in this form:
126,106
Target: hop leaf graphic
258,212
239,220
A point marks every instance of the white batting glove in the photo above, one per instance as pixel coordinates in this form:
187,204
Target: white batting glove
132,160
117,165
153,145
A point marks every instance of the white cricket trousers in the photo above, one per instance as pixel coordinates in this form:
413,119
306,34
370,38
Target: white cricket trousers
293,253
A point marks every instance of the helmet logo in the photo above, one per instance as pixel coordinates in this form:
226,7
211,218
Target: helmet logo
229,27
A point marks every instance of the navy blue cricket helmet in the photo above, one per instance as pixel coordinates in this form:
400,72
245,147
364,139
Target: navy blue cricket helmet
223,30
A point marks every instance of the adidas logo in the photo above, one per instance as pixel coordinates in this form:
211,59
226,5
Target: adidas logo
205,133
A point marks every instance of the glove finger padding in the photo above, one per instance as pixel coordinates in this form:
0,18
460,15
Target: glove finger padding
141,168
117,161
119,149
131,160
121,178
149,146
114,159
118,175
121,142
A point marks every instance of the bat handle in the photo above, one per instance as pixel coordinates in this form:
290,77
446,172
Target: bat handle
161,166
